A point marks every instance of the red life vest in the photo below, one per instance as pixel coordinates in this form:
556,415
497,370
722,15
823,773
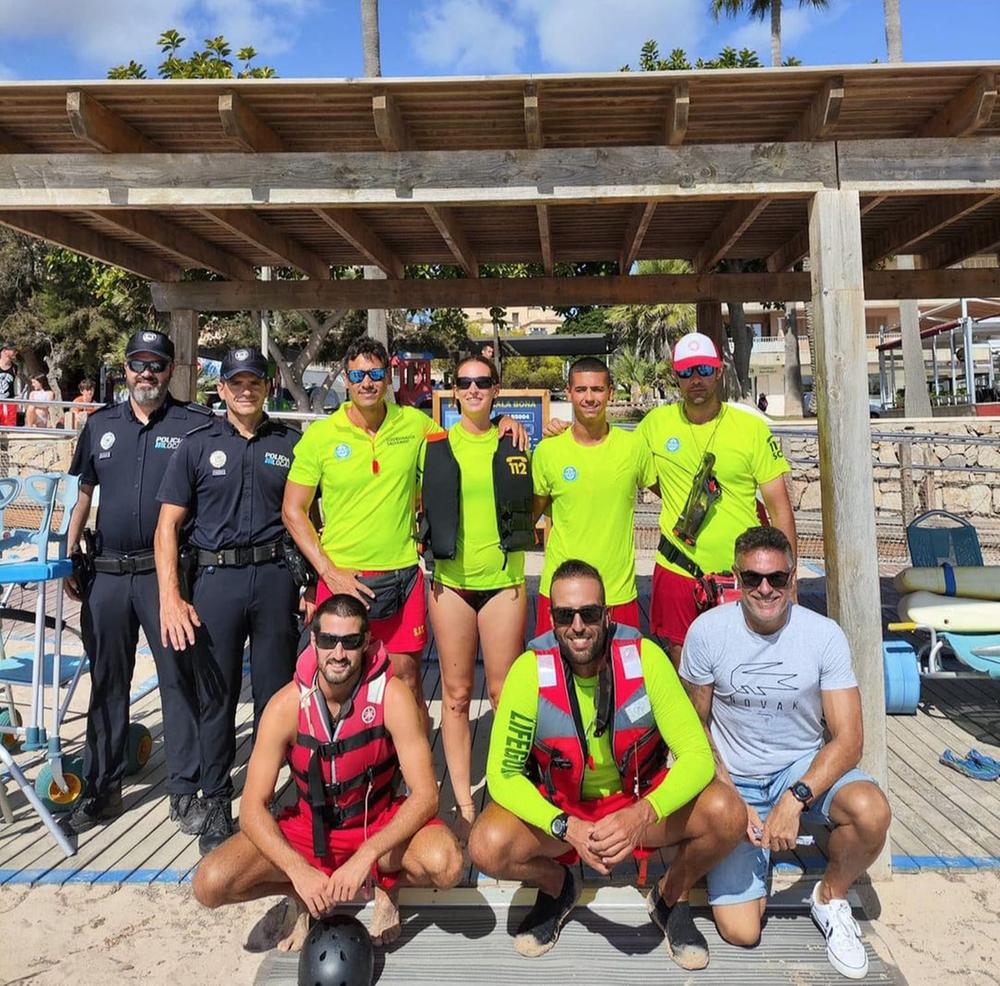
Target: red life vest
345,771
559,749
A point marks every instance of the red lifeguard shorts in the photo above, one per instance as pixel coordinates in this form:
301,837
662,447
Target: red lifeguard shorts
594,811
672,608
342,843
626,614
405,632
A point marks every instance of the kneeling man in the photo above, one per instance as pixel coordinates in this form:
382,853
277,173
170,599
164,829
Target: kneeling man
765,675
348,729
589,711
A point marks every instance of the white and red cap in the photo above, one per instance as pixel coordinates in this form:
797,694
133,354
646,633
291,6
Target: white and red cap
695,349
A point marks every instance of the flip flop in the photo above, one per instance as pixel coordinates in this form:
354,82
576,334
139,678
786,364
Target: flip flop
968,767
983,760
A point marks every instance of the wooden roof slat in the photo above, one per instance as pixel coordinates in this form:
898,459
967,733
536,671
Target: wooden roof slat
737,220
635,232
545,238
983,238
64,232
167,235
454,236
104,130
351,227
282,248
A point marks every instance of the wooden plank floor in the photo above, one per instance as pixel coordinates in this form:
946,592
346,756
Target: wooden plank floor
942,820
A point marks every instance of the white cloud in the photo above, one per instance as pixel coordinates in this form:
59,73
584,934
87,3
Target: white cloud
471,36
6,72
107,32
598,35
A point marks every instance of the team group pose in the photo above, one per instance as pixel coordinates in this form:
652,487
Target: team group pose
606,745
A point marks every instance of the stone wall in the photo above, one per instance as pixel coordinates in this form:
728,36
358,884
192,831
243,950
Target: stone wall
22,456
964,493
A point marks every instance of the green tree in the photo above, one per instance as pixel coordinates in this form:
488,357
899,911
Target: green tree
759,9
650,330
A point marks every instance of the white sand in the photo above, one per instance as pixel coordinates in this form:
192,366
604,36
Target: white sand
937,929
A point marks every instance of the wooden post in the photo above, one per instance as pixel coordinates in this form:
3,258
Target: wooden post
845,453
907,493
708,315
184,333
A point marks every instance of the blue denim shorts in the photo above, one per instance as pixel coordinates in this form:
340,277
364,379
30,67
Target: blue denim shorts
742,875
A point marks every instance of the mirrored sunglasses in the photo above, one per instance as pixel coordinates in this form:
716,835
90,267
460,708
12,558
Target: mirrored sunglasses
377,374
704,370
153,365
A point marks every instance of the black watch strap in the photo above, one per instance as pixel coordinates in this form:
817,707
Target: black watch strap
802,793
559,826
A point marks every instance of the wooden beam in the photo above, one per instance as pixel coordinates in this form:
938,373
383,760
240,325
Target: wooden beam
245,127
105,131
789,253
363,238
910,167
939,213
81,239
532,117
635,233
845,460
559,291
439,178
545,238
184,334
821,117
872,203
389,123
678,110
12,145
191,248
734,224
282,248
982,238
452,233
970,110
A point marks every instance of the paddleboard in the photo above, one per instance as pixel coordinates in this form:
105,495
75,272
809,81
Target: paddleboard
971,581
950,613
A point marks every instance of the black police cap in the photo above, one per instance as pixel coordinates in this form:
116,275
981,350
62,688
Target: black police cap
150,341
246,359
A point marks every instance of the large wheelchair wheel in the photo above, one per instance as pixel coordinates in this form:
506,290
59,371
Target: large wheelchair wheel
51,795
140,746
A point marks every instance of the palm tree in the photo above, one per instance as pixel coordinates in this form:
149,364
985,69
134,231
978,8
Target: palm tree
759,9
370,38
649,330
893,30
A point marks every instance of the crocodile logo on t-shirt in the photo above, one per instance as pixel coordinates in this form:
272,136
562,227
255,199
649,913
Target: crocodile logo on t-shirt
759,679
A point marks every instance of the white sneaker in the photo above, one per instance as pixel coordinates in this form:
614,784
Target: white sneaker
844,947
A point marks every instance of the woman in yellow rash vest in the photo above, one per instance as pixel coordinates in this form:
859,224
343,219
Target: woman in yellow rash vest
477,597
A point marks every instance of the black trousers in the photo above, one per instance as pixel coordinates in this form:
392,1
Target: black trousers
256,603
112,612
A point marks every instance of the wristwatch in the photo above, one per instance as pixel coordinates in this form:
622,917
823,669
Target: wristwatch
559,826
802,792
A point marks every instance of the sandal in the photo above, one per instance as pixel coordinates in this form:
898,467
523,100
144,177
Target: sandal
969,767
983,760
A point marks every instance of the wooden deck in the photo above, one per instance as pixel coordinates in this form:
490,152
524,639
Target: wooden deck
942,820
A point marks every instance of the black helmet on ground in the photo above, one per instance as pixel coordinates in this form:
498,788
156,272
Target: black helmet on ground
337,952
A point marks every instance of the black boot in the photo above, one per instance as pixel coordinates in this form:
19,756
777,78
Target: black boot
218,824
95,810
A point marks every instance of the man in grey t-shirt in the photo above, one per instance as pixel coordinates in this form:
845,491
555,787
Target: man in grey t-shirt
765,676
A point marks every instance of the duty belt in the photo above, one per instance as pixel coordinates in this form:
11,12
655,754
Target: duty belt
675,556
249,554
136,564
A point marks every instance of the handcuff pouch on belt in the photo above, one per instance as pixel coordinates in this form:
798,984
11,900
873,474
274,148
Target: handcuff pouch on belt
302,573
83,560
187,568
392,589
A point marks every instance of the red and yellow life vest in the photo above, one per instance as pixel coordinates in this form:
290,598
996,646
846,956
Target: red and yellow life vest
559,749
345,771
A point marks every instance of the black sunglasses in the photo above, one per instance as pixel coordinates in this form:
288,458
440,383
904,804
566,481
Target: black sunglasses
154,365
777,580
704,370
563,616
327,641
464,383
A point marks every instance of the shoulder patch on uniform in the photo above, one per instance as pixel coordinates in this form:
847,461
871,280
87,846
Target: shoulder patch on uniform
199,408
195,430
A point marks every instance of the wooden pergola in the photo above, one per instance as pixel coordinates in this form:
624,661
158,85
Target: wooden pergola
844,167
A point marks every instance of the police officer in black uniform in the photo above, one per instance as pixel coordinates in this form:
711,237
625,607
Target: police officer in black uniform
228,479
125,449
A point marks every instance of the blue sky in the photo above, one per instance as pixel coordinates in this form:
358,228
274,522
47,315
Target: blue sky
80,39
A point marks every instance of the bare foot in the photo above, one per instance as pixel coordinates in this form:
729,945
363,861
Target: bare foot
275,926
465,816
384,927
296,938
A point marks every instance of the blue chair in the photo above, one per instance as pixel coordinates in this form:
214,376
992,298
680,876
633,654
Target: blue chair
932,543
33,550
